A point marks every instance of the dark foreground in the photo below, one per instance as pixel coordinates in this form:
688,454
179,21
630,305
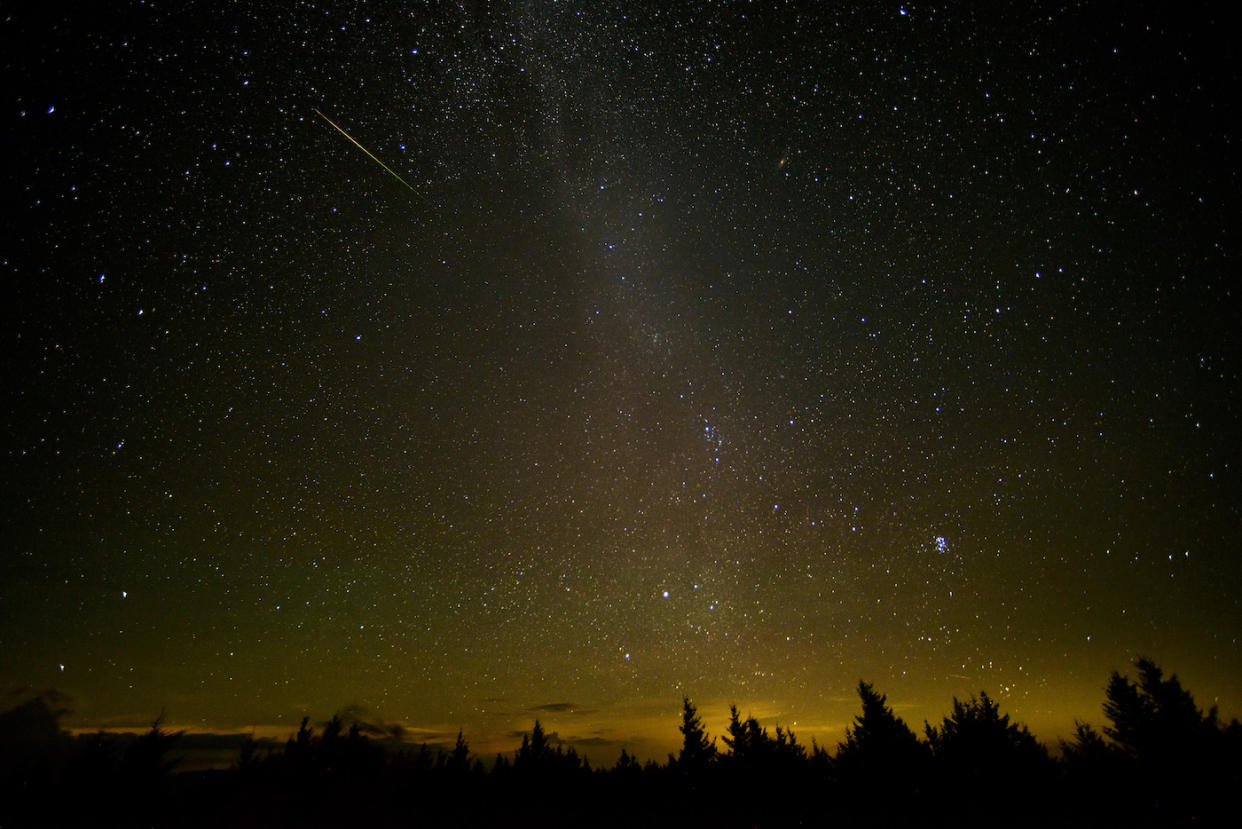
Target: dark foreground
1160,762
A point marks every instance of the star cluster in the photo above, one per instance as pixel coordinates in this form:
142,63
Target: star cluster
731,350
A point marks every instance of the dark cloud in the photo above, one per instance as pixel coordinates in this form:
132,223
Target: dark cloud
560,708
598,742
209,741
373,726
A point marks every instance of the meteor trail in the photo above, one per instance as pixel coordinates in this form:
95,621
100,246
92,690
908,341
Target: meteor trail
365,150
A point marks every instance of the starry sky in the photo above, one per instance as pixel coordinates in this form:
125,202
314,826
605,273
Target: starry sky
731,350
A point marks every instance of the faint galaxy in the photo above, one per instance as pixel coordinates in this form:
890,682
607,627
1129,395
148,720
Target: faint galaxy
730,350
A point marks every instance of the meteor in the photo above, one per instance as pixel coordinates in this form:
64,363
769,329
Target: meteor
365,150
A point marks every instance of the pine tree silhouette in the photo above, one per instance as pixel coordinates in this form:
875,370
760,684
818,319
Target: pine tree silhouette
1155,718
627,767
1159,760
987,765
747,740
697,751
459,760
146,762
976,737
879,748
1180,759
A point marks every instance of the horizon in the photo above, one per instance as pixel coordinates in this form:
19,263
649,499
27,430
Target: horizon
566,718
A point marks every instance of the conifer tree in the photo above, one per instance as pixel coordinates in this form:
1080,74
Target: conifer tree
1154,717
878,736
459,760
697,751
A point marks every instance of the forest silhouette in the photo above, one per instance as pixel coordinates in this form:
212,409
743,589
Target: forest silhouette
1159,761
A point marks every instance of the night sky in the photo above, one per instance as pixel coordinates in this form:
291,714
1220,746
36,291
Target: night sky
733,350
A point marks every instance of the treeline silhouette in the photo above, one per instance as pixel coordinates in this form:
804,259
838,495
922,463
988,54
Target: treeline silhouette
1160,761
